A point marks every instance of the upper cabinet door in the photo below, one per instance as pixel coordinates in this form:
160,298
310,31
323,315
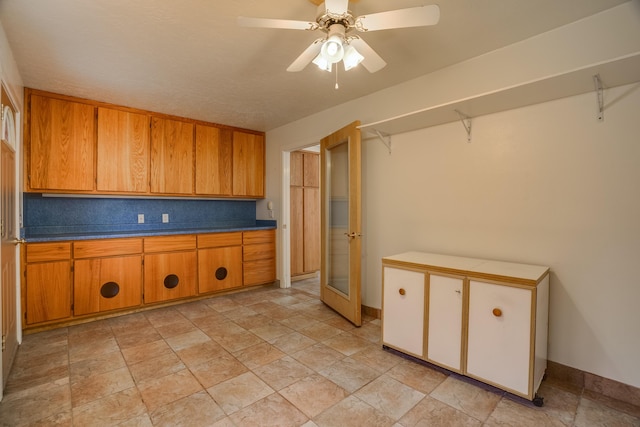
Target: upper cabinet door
62,145
123,140
171,156
248,164
213,160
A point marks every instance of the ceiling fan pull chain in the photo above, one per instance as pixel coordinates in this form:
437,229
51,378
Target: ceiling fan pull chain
337,87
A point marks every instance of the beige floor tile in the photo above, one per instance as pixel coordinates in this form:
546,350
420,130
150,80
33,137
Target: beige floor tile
178,327
36,403
318,356
253,320
164,316
92,348
130,322
415,375
188,339
89,367
313,394
469,398
282,372
198,409
258,355
110,410
320,331
29,372
98,386
161,391
299,322
272,411
352,411
432,412
377,358
591,413
146,351
293,342
390,396
238,341
135,337
347,344
349,374
369,331
508,412
156,367
195,310
217,370
239,392
222,304
201,353
272,331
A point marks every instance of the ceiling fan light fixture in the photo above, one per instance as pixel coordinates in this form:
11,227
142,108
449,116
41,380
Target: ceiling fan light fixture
351,58
332,50
322,63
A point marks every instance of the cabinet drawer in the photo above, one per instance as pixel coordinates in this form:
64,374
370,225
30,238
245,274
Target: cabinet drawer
40,252
258,236
256,252
259,272
169,243
217,240
107,247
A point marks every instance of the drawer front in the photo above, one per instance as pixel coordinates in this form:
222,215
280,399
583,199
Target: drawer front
258,236
259,272
107,247
261,251
169,243
403,310
499,335
41,252
219,268
217,240
103,284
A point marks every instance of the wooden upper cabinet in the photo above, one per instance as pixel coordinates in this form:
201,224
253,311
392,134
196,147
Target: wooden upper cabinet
171,156
214,151
296,166
123,140
248,164
62,147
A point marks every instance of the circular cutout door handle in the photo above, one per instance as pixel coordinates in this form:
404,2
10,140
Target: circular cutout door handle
171,281
109,289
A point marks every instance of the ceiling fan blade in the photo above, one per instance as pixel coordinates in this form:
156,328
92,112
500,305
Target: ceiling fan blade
372,61
286,24
337,7
307,56
401,18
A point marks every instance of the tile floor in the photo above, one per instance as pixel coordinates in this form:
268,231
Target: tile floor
267,357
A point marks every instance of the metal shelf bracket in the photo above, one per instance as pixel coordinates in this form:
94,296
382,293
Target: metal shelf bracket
384,138
466,122
597,82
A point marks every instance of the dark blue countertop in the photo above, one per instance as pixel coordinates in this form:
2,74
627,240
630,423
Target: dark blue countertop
56,236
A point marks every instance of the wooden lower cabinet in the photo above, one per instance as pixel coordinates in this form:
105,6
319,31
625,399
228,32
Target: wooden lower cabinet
258,257
64,280
169,276
47,282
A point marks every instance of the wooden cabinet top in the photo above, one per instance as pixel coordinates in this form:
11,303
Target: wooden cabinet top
524,274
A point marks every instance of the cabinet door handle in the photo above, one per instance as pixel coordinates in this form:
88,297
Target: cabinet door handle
402,291
497,312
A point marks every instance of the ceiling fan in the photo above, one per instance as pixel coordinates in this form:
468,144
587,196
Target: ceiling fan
340,41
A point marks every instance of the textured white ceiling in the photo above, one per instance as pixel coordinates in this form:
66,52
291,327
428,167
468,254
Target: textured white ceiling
190,58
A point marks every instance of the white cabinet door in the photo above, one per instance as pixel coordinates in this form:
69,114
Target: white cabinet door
444,342
499,338
403,310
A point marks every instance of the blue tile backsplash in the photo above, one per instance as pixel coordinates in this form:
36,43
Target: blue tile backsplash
94,217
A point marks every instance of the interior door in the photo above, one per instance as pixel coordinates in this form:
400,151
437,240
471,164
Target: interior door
340,211
9,238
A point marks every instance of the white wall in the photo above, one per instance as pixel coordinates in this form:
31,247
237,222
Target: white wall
546,184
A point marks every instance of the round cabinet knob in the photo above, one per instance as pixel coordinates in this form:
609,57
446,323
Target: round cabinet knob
171,281
497,312
402,291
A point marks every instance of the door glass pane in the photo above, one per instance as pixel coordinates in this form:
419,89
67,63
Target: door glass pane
337,161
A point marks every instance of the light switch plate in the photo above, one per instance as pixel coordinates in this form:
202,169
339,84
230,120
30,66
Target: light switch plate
165,218
140,218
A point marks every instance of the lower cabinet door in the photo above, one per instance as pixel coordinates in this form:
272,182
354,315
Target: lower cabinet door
259,272
403,310
499,338
219,268
102,284
169,276
444,337
48,291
